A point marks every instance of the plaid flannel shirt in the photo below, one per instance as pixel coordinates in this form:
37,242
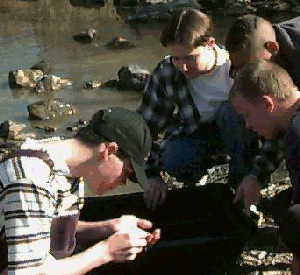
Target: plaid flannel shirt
165,95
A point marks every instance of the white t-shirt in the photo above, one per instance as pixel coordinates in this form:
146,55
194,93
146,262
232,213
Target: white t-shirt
210,90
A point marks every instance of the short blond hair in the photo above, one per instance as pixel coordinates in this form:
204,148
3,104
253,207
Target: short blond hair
261,77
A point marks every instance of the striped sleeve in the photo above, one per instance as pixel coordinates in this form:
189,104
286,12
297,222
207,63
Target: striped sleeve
27,210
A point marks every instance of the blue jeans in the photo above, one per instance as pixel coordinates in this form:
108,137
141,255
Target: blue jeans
185,157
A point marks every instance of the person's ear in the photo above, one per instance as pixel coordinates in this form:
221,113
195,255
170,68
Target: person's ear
112,148
106,149
269,103
103,151
272,47
211,42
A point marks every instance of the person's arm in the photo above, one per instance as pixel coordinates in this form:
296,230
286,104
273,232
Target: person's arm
157,108
118,247
89,231
265,163
268,159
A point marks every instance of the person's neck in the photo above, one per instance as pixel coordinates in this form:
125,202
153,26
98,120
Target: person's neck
73,153
289,111
213,61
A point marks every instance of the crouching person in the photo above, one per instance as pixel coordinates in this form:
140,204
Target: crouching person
40,197
265,95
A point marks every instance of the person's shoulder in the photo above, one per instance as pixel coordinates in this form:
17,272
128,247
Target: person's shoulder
29,168
293,131
288,30
165,70
165,64
293,22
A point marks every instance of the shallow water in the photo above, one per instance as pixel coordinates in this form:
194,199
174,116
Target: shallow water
31,31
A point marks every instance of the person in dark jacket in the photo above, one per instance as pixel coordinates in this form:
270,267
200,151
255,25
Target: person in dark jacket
253,37
265,95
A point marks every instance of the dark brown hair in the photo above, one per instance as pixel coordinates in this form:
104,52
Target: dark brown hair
189,26
249,32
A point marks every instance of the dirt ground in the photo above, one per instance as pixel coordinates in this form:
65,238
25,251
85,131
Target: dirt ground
265,254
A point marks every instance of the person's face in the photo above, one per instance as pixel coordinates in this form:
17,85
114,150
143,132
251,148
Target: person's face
190,61
256,116
108,174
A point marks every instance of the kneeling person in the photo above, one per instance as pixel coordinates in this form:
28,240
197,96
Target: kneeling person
265,95
40,198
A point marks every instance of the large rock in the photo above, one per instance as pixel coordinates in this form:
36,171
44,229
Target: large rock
49,109
50,83
160,11
24,78
239,8
43,66
86,36
132,77
10,129
271,7
119,43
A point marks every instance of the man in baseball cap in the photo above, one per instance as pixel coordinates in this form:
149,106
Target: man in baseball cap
42,202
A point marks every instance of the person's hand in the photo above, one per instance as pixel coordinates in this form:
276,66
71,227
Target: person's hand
153,237
156,194
146,225
124,246
248,190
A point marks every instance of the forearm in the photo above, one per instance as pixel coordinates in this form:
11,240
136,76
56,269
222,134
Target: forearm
78,264
89,231
268,160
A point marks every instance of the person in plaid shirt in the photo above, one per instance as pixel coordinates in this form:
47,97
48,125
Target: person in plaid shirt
186,99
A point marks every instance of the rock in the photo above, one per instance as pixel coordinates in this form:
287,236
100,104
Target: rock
88,3
129,3
119,43
82,122
47,129
296,9
50,83
10,129
132,77
24,136
239,8
159,10
272,7
72,128
113,83
49,109
148,14
86,36
76,125
42,66
92,84
24,78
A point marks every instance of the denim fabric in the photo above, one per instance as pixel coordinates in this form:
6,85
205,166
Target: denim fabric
185,157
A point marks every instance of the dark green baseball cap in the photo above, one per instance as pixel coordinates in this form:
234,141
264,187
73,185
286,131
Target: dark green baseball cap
129,130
